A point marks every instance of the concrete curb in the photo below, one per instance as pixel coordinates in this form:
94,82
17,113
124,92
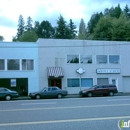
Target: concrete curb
70,96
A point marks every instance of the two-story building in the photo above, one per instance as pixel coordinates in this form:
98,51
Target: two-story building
69,64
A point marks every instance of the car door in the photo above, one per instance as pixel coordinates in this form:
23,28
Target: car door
98,90
46,92
2,92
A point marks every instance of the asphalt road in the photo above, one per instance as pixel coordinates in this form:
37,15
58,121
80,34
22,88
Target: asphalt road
97,113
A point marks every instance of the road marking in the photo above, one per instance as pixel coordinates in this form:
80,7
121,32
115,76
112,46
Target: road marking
64,121
118,100
38,103
73,107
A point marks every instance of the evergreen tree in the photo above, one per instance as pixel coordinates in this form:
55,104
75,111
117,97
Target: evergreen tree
82,30
20,26
44,29
62,30
1,38
29,24
127,11
72,28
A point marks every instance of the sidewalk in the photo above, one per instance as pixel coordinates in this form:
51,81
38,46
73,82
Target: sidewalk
71,96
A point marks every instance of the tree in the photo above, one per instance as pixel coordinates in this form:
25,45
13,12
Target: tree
93,22
82,30
44,30
62,30
72,28
20,26
28,36
102,31
127,11
29,27
121,29
1,38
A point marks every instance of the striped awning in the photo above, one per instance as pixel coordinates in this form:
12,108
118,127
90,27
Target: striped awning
55,72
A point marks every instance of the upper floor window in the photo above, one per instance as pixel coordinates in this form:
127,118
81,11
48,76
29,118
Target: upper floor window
114,59
2,64
72,58
13,64
86,59
101,59
27,64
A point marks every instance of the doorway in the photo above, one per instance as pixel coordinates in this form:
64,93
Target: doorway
55,82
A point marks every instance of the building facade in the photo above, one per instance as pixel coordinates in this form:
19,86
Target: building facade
19,66
71,65
102,62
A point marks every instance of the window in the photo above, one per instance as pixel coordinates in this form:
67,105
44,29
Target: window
27,64
102,81
86,59
13,64
2,64
54,89
114,59
101,59
73,82
72,58
86,82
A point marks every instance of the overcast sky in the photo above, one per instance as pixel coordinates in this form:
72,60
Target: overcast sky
50,10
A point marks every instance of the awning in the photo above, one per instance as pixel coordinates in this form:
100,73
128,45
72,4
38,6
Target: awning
55,72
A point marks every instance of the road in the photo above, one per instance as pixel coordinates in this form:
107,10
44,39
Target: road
96,113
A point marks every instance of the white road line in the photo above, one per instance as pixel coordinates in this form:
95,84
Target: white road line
64,121
38,103
73,107
118,100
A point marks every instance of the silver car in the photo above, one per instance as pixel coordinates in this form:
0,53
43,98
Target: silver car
49,92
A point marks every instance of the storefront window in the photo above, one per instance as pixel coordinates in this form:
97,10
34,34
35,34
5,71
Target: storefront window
86,82
73,82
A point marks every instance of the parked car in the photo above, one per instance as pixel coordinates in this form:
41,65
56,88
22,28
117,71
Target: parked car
100,90
7,94
49,92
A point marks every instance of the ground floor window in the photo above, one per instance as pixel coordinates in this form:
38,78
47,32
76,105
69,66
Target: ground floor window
102,81
2,64
73,82
86,82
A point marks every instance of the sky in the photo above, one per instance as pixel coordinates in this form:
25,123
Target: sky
50,10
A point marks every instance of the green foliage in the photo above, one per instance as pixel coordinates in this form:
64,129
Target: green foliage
72,29
82,30
20,26
29,27
29,36
1,38
44,30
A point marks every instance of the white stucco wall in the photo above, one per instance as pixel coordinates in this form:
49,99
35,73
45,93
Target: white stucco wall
21,50
53,52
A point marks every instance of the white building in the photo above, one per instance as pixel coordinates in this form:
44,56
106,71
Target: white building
103,61
19,66
30,66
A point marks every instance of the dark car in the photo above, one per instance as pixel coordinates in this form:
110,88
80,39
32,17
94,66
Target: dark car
49,92
100,90
7,94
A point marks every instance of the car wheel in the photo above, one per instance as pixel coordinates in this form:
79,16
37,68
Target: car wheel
90,94
111,93
38,96
59,96
8,97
